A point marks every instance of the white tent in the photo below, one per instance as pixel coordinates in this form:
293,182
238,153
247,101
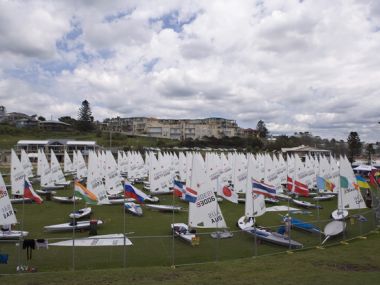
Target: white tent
364,167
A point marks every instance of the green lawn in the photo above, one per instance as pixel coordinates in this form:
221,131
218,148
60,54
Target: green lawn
152,243
355,263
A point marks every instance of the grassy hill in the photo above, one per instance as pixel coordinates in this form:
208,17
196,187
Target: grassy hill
10,135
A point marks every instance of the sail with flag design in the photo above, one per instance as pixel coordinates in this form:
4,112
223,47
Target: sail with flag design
86,194
263,188
325,184
228,193
362,182
133,192
29,192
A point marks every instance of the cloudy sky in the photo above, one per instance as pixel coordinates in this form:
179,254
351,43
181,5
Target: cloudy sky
297,65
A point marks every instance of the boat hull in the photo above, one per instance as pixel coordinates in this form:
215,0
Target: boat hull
164,208
99,240
80,225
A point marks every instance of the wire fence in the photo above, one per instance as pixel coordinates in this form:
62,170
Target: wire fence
168,250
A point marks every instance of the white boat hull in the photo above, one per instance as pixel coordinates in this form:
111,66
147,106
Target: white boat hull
181,230
6,235
339,215
324,197
20,200
304,204
81,213
164,208
133,208
334,228
100,240
80,225
65,199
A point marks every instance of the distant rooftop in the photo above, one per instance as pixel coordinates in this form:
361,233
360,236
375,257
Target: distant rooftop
303,148
52,141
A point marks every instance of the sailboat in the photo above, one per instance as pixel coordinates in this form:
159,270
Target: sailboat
47,181
349,196
21,186
255,206
204,211
68,166
56,171
7,216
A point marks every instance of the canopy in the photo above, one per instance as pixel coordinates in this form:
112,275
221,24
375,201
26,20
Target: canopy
364,167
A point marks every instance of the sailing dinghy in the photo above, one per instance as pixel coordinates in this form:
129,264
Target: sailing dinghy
8,216
334,228
74,225
349,196
204,211
164,208
272,237
66,199
133,208
81,213
305,204
99,240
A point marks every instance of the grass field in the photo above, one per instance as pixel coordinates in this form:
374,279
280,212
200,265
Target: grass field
355,263
152,243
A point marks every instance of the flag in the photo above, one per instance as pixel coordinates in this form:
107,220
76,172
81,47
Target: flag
325,184
262,188
179,189
289,184
362,182
132,192
373,179
191,195
343,182
229,194
377,177
301,188
297,187
29,192
87,195
184,192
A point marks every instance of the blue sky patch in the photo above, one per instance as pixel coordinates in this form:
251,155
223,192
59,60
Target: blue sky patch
172,21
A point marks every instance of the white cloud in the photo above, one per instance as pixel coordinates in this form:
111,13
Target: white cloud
297,65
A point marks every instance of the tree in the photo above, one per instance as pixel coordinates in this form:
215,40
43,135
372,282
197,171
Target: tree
354,145
40,118
85,118
370,151
262,131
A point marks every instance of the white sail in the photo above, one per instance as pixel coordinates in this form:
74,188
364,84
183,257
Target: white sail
254,203
39,162
68,165
56,170
26,163
46,177
239,175
205,212
81,166
159,176
271,175
19,178
349,198
7,215
213,170
113,177
94,179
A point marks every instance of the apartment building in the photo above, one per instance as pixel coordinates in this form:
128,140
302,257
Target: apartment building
173,129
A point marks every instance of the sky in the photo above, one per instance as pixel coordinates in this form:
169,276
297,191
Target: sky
297,65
